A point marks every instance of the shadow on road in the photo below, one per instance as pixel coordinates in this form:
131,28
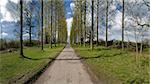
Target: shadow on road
80,58
70,51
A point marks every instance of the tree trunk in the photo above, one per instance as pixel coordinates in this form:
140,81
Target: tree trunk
123,25
46,29
141,47
78,28
30,38
106,24
58,27
39,29
21,28
92,25
81,39
85,24
136,52
55,27
51,24
42,24
97,19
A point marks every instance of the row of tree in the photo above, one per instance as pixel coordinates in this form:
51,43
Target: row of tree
50,18
93,17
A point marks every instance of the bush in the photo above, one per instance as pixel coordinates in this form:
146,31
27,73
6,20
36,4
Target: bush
13,44
7,44
4,44
33,43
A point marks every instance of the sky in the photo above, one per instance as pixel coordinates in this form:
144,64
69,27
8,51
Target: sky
69,14
8,18
68,4
8,25
3,10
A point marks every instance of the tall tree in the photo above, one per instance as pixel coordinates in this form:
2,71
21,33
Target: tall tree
106,23
138,23
97,19
55,22
28,17
92,25
123,25
46,14
30,30
81,25
84,22
21,28
42,24
51,24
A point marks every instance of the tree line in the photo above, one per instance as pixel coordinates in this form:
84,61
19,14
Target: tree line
51,18
93,17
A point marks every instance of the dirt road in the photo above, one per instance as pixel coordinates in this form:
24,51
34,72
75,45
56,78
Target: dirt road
66,69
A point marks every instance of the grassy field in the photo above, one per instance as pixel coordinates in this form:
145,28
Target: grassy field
14,68
113,66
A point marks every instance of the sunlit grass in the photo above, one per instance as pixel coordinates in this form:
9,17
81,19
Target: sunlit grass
12,66
114,66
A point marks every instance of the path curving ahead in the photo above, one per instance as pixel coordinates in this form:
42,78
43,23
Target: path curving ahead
66,69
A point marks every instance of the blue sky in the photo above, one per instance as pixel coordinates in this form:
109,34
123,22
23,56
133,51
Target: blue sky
69,14
68,10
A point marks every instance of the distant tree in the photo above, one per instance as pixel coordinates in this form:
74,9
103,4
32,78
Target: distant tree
46,22
138,22
28,17
62,25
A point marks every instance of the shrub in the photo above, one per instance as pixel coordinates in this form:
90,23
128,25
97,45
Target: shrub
5,44
33,43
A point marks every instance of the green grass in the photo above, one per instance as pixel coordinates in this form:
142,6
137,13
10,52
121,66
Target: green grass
13,67
114,66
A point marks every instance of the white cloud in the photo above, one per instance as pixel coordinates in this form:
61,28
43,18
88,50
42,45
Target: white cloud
2,7
69,23
5,13
69,13
3,2
15,1
3,35
26,35
118,18
72,5
7,17
113,7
